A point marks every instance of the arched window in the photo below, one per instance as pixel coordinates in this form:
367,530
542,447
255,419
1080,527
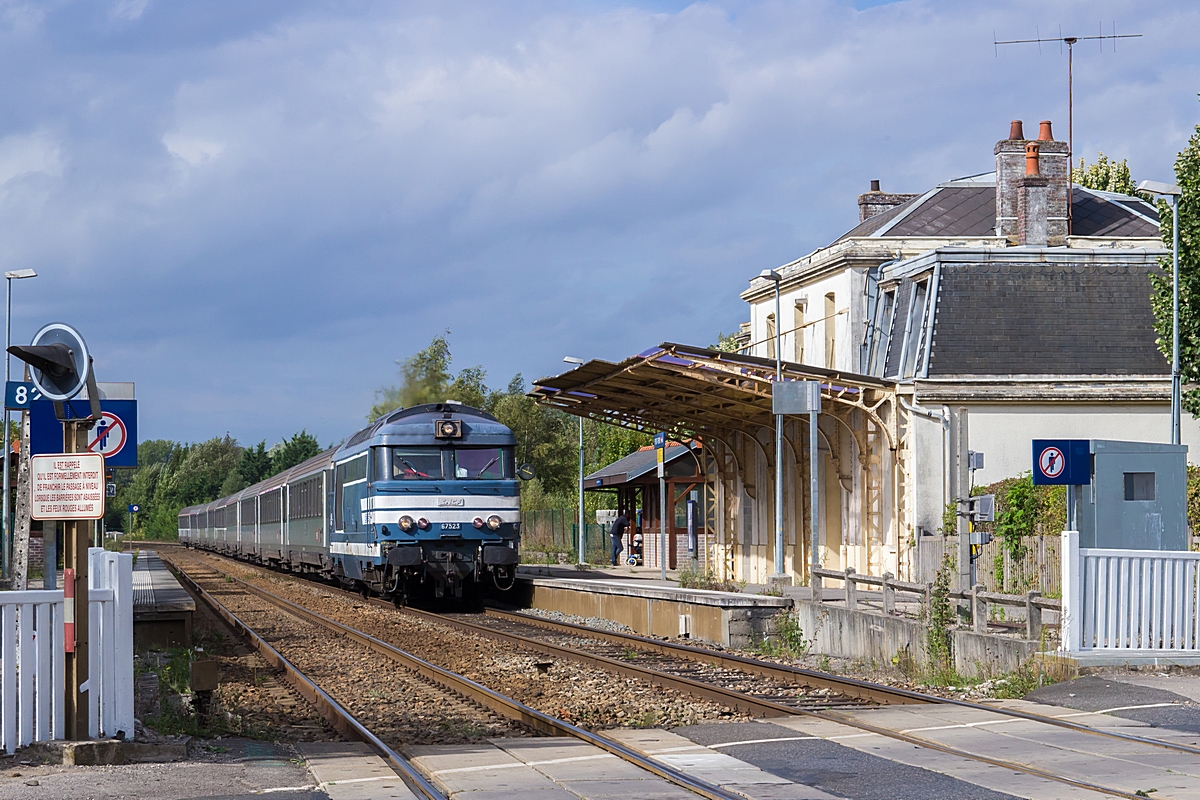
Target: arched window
770,335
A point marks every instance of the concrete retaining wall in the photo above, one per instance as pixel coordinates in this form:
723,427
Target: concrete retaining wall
871,636
726,618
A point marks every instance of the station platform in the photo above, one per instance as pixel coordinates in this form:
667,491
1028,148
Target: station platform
162,609
649,606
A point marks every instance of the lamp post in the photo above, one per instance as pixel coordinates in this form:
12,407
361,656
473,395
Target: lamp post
774,277
7,545
579,362
1173,192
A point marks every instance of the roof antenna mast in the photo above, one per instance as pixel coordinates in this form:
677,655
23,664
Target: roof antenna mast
1070,41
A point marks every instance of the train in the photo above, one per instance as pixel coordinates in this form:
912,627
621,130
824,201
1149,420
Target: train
425,500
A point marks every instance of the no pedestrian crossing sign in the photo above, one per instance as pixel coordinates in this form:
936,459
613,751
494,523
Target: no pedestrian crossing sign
67,486
1059,462
114,436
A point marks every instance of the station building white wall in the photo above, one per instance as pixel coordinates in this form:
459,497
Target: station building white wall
1004,432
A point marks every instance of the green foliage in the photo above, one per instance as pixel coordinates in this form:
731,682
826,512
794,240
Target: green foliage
424,378
689,579
788,640
290,452
255,465
1019,517
546,437
726,343
1105,176
1187,177
941,618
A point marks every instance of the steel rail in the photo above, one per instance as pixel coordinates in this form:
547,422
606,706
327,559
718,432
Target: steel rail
784,672
336,714
493,700
851,687
829,716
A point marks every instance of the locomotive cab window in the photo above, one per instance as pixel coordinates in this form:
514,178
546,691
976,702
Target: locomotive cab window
416,464
483,463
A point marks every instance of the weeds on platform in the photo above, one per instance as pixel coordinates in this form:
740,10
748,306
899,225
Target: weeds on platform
938,643
691,579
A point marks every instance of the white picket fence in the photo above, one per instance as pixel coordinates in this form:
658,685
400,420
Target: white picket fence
1129,600
32,682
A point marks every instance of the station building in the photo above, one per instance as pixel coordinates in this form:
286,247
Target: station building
1012,294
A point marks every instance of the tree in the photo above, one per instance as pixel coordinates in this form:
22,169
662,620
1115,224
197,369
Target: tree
255,465
423,379
727,343
301,447
1105,176
1187,177
201,473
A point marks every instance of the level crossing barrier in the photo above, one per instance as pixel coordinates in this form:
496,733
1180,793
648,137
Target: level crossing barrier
1129,600
32,679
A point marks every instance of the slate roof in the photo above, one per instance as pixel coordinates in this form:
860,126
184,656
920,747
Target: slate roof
1043,319
967,207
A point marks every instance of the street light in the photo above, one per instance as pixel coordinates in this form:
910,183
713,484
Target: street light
7,548
1173,192
776,278
578,362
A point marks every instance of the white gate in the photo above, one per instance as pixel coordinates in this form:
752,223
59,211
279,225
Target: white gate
31,656
1129,600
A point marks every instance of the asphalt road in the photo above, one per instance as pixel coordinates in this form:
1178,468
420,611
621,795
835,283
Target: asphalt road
833,768
1158,707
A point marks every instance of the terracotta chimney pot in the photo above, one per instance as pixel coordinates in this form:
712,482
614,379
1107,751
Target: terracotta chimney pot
1016,130
875,186
1044,133
1031,159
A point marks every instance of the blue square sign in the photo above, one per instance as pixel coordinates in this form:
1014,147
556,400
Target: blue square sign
114,436
1062,462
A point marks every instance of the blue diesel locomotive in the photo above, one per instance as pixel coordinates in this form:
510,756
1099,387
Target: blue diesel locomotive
425,498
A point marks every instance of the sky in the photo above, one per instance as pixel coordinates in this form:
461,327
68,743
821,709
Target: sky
254,209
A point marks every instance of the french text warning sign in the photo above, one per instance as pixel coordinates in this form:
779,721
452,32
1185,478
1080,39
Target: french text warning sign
67,486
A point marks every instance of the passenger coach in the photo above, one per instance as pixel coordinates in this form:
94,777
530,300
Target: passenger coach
424,497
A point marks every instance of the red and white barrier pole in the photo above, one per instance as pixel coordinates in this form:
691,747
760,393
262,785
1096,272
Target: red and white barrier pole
68,610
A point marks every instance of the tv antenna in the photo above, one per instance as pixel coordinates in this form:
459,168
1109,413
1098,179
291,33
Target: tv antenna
1070,42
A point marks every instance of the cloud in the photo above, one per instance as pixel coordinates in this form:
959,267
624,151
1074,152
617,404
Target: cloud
28,154
252,210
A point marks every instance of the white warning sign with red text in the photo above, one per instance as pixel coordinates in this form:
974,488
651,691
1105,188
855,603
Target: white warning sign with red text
67,486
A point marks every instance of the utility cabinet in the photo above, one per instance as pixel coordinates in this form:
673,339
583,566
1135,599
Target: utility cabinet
1137,499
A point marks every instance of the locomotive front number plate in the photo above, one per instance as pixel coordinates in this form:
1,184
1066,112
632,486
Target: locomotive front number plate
451,526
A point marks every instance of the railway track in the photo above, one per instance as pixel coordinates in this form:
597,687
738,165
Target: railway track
758,687
452,682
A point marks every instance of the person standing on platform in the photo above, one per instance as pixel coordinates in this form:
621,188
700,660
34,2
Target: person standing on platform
620,525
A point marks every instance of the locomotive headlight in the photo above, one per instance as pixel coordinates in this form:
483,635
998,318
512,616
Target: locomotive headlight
478,522
493,523
406,523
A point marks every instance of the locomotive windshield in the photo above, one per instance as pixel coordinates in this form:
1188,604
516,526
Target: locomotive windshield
416,464
483,463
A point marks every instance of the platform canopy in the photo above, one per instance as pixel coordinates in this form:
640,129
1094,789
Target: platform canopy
686,391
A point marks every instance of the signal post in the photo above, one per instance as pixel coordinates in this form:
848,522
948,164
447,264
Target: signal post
68,487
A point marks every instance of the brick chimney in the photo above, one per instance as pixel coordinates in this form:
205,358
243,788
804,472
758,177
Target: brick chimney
876,201
1031,207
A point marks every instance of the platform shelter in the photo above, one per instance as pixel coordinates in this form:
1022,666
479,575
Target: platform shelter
634,481
723,402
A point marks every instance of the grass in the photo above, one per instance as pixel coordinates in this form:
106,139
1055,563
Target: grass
788,639
690,579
